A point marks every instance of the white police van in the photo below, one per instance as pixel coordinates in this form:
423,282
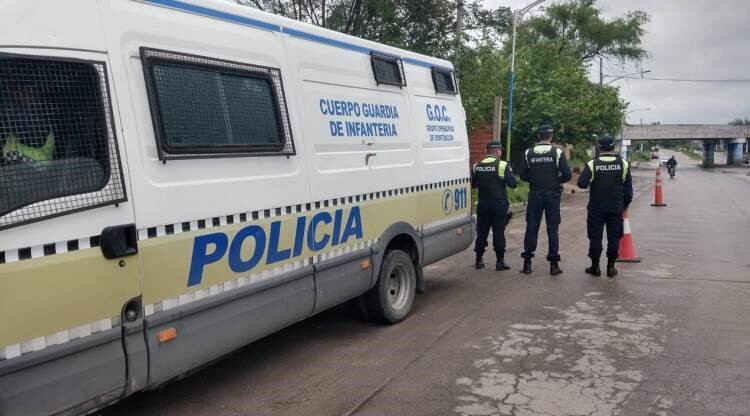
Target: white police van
180,178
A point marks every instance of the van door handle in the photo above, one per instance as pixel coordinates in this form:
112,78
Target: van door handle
119,241
367,158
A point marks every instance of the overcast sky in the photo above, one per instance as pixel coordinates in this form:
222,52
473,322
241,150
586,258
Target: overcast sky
703,39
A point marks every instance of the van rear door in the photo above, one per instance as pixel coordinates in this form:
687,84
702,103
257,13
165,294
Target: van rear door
69,281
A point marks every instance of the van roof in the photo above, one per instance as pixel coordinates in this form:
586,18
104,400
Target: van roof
252,17
52,28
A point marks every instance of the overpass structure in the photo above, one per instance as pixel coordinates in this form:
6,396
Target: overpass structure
735,137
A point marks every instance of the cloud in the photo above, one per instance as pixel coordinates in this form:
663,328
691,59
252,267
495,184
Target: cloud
703,39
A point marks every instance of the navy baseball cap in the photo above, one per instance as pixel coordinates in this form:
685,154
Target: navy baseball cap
606,143
546,128
495,145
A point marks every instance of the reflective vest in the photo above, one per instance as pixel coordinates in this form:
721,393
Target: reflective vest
608,174
14,146
543,161
490,176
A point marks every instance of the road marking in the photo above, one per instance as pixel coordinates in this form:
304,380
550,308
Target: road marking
576,365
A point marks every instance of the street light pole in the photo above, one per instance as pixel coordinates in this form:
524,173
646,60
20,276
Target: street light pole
623,148
516,17
638,109
622,76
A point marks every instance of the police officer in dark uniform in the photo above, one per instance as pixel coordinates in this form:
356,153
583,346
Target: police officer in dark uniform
491,176
611,193
545,168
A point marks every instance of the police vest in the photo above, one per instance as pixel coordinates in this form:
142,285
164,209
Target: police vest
13,148
608,173
543,161
490,175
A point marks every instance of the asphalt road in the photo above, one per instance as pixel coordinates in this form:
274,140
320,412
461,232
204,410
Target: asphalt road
669,336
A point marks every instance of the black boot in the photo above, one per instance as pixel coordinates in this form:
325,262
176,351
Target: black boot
611,270
554,268
479,264
526,266
594,270
500,265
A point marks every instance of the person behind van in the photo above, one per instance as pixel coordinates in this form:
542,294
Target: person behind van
25,128
492,176
545,168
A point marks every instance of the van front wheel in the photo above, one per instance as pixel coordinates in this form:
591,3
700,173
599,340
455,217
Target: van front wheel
391,299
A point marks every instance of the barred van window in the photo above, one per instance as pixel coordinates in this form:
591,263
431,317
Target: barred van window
57,146
444,81
203,107
388,70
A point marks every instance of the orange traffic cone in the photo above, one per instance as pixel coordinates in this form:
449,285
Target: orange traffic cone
658,196
627,247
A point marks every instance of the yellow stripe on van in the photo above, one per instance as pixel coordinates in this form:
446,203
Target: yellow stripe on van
46,295
166,260
50,294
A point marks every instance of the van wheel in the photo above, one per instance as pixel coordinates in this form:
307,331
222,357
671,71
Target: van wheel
391,299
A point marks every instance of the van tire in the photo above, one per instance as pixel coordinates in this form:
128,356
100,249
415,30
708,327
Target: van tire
392,298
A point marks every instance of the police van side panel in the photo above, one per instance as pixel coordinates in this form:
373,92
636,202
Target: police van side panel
359,147
369,138
287,234
440,130
62,302
223,260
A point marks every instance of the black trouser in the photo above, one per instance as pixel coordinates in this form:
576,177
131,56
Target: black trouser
547,203
491,214
595,222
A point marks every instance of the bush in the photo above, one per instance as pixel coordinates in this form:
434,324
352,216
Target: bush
515,196
640,156
579,155
520,194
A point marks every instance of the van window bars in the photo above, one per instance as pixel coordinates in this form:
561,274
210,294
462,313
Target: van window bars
205,108
388,70
58,149
444,81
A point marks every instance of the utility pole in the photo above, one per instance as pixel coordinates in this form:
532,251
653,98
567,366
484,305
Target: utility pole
601,71
497,119
459,23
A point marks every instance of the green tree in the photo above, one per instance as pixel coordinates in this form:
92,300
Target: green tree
555,89
740,122
482,72
577,29
424,26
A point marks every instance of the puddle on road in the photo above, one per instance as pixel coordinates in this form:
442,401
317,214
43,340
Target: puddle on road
579,364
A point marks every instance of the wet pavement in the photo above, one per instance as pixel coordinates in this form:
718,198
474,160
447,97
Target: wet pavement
668,336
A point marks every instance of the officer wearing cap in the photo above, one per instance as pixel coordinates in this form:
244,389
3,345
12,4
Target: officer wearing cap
545,168
491,176
611,193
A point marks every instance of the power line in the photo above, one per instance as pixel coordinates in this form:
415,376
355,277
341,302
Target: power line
735,81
